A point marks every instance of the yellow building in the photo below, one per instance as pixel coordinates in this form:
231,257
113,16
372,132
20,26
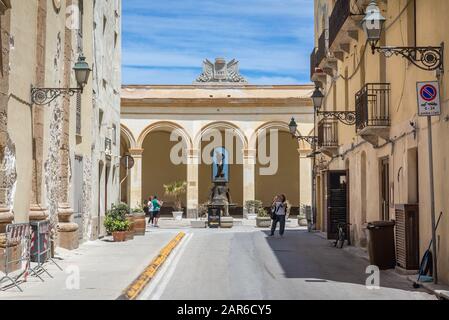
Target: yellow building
223,103
381,163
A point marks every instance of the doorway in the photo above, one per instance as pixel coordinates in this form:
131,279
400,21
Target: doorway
385,189
78,203
337,202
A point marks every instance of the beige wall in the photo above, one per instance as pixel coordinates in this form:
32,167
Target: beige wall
267,186
157,169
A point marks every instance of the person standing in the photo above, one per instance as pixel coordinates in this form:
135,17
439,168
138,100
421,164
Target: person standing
150,210
279,211
156,210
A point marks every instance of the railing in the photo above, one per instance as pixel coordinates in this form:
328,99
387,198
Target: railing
313,63
341,12
328,133
321,51
372,105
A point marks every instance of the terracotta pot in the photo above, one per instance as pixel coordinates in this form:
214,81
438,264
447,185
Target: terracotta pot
119,236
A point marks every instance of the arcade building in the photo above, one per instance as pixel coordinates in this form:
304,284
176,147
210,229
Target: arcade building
170,130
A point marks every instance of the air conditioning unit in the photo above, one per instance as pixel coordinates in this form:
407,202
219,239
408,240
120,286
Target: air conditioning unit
407,236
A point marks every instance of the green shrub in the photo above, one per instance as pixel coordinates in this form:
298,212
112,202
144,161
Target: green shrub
253,205
262,213
115,219
114,225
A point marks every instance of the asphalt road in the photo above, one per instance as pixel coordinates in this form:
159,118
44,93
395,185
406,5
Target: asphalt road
243,263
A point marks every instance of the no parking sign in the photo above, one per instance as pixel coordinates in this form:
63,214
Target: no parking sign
428,98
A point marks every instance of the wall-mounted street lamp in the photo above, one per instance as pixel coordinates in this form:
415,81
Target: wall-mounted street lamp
425,58
293,127
43,96
346,117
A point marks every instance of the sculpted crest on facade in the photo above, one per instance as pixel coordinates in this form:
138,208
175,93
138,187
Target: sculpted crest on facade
221,72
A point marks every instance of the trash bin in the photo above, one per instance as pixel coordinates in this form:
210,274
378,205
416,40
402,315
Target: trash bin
381,244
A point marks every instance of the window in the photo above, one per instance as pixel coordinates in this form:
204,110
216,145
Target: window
78,113
114,134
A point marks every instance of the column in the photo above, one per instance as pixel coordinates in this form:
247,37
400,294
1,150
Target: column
192,182
136,178
38,211
6,216
67,229
249,170
305,177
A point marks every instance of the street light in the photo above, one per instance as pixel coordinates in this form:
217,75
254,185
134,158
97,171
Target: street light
317,98
346,117
373,23
82,71
425,58
293,126
43,96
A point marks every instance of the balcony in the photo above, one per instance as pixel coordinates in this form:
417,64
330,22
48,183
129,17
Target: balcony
316,74
328,137
320,53
373,112
326,63
344,27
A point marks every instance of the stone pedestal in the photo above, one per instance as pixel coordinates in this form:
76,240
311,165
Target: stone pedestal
6,217
226,222
67,230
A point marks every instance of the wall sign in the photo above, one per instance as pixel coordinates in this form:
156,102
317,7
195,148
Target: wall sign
428,98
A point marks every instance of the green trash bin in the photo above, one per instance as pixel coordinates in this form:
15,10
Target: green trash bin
381,244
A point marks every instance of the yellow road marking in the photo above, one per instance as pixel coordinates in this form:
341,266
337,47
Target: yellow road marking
133,291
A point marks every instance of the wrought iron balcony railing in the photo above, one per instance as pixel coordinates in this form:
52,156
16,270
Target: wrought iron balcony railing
328,133
373,106
108,146
341,12
313,63
321,51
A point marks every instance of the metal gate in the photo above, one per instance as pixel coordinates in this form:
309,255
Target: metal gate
78,205
337,202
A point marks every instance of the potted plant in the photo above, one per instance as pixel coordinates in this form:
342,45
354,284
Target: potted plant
263,219
252,207
118,228
116,222
176,190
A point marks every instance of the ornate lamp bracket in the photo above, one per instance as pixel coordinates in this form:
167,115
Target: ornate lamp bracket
425,58
346,117
312,140
44,96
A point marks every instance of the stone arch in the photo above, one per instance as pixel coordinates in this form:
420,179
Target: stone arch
286,179
167,126
236,172
130,140
282,125
219,125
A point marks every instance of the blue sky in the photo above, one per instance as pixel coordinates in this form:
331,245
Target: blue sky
165,41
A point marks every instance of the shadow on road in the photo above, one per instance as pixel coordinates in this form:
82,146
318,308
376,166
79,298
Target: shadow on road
304,255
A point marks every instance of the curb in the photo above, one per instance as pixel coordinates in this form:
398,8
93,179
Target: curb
137,286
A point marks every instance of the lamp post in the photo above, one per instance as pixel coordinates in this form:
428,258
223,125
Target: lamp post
313,141
43,96
426,58
346,117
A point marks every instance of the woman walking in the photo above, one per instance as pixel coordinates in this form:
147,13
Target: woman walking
278,213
